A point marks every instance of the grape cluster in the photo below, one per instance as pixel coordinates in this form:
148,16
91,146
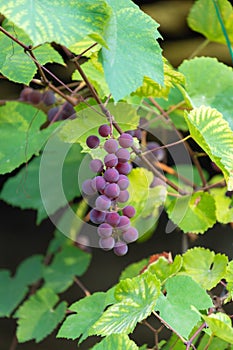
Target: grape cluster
110,184
47,98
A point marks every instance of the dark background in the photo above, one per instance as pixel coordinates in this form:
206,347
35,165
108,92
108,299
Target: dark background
20,237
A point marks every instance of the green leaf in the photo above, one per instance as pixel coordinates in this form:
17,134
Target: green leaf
136,299
88,311
204,266
68,263
21,123
208,128
202,91
116,341
163,269
133,32
224,210
220,326
176,308
38,316
134,269
215,343
203,19
229,277
193,213
14,289
60,21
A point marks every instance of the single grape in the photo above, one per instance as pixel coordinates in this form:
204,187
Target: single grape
111,175
25,93
104,230
98,183
123,196
124,223
112,218
107,243
93,141
131,235
35,97
120,248
68,111
96,165
110,160
129,211
48,98
229,194
103,203
125,140
88,188
104,130
123,155
123,182
54,112
111,146
112,191
124,168
157,182
97,216
138,134
158,153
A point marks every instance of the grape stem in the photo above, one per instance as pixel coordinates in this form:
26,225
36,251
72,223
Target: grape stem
168,145
82,287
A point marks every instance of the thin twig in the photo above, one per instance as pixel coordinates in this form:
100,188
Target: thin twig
198,331
168,145
14,343
84,289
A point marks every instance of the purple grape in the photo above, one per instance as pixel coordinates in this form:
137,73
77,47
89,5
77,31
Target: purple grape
123,196
112,191
48,98
98,183
159,153
124,168
157,182
103,203
92,141
111,146
129,211
97,216
125,140
124,223
96,165
112,218
138,134
25,93
104,230
107,243
130,132
54,114
120,248
88,188
110,160
123,182
68,110
123,155
111,175
130,235
104,130
35,97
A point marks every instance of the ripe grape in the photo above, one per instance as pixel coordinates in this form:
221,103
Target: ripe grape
104,130
54,114
124,223
103,203
97,216
112,218
112,190
88,188
110,160
124,168
25,93
93,141
111,146
138,134
123,196
120,248
158,153
129,211
98,183
123,155
123,182
48,98
125,140
107,243
68,111
157,182
111,175
34,97
130,235
96,165
104,230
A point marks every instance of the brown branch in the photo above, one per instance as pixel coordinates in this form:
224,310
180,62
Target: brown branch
84,289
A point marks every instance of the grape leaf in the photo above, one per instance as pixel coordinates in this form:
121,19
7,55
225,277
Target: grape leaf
88,311
133,33
38,317
60,21
229,277
176,308
22,122
224,210
204,266
203,19
133,270
68,263
14,289
136,299
203,91
208,128
214,343
163,269
116,341
193,213
220,326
